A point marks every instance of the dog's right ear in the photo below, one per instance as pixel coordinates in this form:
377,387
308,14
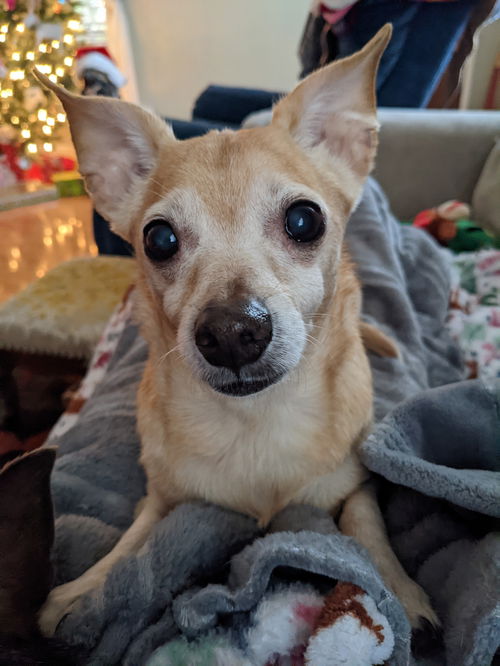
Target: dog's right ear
117,144
333,110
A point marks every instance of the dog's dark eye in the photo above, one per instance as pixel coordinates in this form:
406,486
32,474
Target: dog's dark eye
304,222
160,242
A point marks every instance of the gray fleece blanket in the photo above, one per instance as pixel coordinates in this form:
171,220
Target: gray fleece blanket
204,569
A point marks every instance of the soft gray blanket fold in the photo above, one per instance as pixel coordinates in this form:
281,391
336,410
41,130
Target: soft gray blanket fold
438,453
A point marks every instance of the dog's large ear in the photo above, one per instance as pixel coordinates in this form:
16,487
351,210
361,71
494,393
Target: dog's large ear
117,144
335,107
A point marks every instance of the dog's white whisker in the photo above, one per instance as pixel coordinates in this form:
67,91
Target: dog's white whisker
170,351
157,182
158,194
312,339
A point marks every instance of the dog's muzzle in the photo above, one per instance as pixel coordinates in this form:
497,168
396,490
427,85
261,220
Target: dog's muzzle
234,335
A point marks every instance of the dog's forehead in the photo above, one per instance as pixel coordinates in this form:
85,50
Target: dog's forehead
228,169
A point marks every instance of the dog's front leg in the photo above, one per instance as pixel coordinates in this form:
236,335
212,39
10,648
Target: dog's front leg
62,599
361,518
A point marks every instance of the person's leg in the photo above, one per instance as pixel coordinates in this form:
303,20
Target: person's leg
428,48
185,129
365,19
425,36
106,240
100,226
230,105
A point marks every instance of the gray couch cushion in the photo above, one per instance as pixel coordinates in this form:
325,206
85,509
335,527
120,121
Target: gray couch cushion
429,156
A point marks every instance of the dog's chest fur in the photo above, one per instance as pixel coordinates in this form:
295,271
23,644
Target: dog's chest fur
254,458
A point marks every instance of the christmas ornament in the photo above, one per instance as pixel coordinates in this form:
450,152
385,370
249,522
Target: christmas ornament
49,31
31,20
47,167
10,158
7,134
7,178
99,73
33,97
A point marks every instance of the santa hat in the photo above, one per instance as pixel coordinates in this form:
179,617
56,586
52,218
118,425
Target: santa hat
98,58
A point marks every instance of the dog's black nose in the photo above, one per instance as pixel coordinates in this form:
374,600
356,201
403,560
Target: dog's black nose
233,334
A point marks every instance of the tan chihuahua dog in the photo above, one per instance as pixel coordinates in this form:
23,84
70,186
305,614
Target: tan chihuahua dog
257,390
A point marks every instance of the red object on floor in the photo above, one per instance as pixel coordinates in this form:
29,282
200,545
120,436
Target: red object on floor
47,167
11,151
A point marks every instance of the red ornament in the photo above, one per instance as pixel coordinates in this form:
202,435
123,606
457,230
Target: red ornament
48,166
11,151
35,172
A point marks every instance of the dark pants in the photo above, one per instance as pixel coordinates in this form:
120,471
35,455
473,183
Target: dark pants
424,38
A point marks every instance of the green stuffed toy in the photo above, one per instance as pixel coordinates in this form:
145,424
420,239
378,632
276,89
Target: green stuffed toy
470,237
450,225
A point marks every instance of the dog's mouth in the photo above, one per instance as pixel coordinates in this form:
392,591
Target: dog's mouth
244,387
241,348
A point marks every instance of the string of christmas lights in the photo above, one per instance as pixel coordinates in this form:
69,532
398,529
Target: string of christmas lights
42,33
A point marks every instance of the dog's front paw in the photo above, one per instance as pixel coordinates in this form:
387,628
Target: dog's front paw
58,604
417,605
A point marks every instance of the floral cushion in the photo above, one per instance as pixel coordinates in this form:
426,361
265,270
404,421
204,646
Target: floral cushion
474,317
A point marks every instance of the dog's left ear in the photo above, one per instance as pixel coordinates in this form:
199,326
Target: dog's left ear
117,144
335,107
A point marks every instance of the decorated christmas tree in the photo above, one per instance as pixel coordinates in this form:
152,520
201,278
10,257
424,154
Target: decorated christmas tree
41,33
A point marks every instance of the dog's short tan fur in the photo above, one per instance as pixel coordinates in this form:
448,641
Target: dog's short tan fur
225,194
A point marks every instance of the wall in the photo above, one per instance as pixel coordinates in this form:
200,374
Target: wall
181,46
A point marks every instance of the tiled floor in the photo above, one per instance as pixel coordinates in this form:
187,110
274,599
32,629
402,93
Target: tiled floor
34,239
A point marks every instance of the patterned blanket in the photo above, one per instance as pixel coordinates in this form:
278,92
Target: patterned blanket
474,318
